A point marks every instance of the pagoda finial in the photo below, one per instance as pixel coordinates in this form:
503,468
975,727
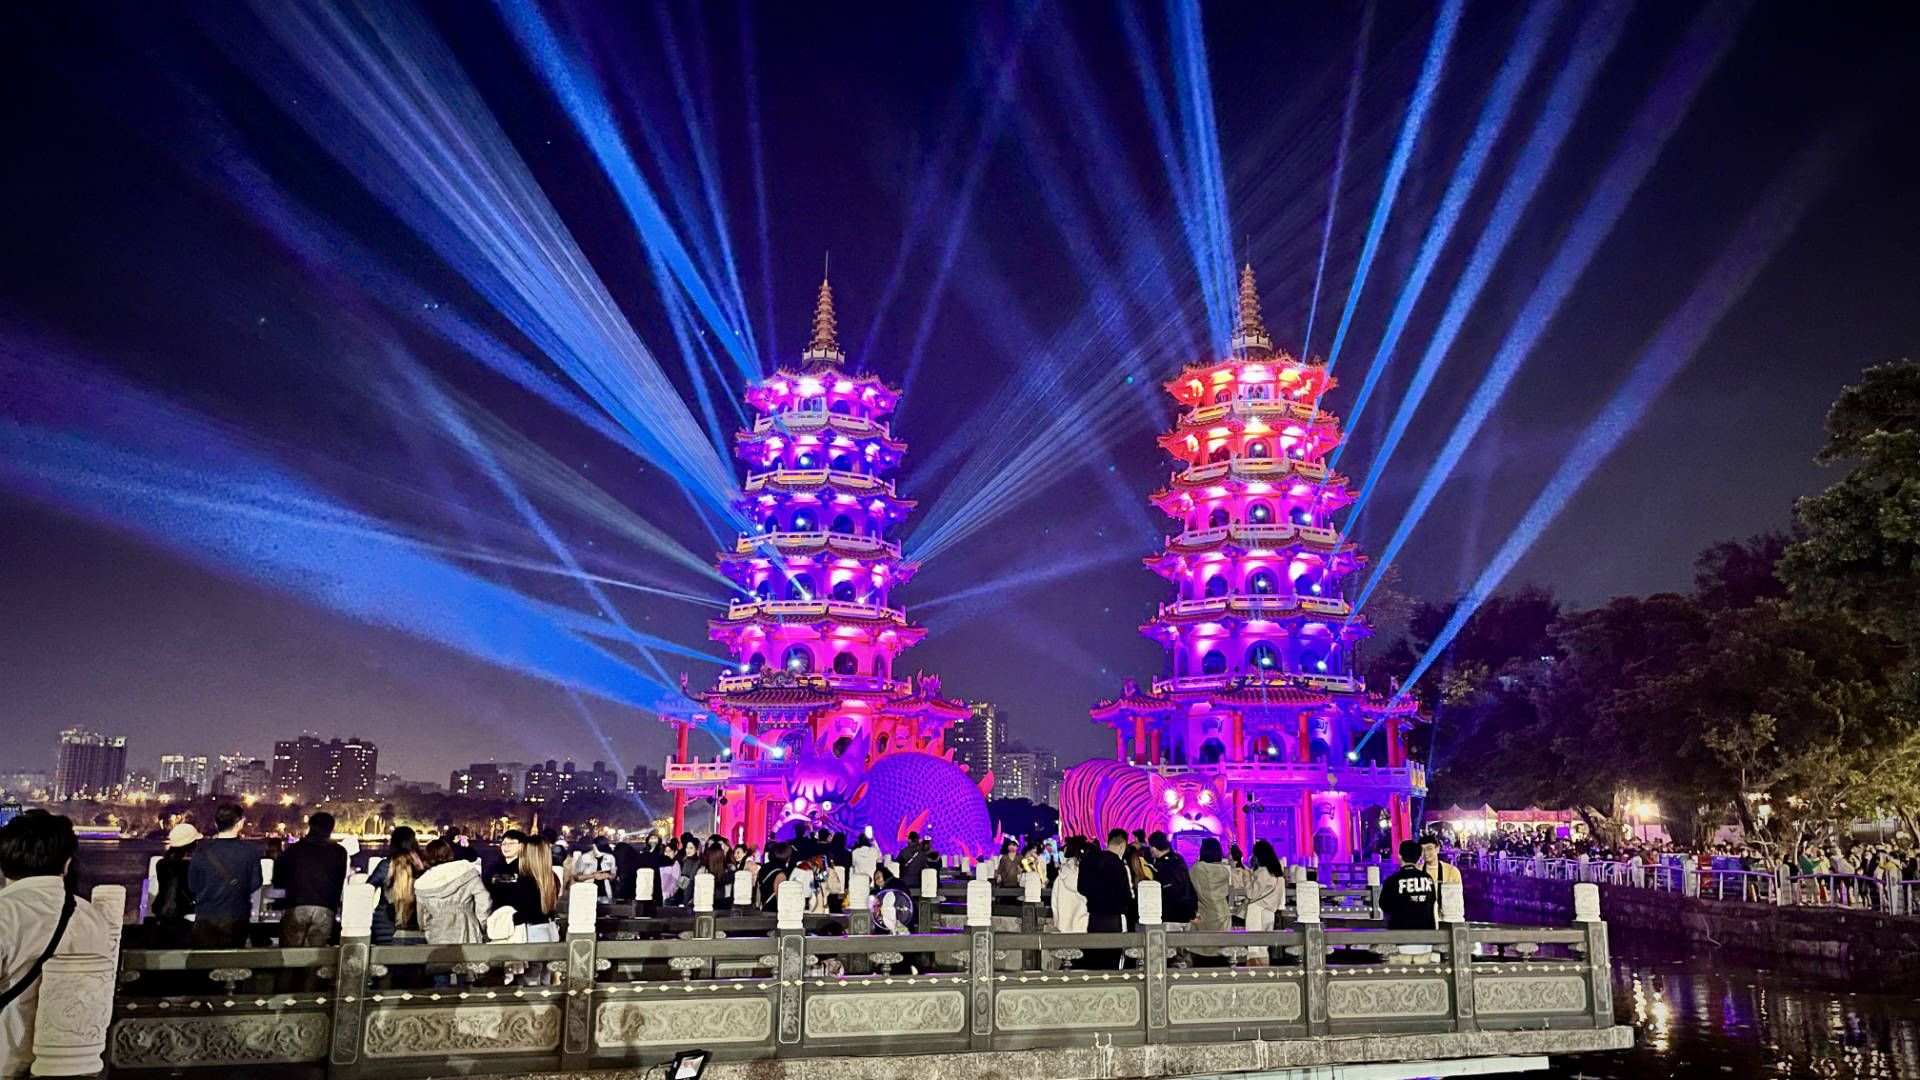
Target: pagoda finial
1249,332
825,346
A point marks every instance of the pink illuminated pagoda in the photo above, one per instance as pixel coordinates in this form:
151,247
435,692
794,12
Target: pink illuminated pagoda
817,730
1260,727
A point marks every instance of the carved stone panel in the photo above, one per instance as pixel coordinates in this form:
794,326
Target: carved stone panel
1271,1003
1062,1008
1353,999
683,1023
1545,994
462,1030
849,1015
255,1039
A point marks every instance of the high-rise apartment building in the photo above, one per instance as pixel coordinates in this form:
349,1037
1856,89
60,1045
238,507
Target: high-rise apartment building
314,770
190,771
974,739
90,765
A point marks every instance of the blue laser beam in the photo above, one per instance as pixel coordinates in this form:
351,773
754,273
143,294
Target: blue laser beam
580,95
1347,114
1529,41
1706,42
1431,69
1593,43
1746,254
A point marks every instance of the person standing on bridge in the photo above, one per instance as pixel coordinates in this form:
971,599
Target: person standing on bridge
39,919
1409,896
1108,890
223,875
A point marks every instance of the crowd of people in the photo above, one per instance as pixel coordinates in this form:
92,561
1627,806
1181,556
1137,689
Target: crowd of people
454,890
1808,857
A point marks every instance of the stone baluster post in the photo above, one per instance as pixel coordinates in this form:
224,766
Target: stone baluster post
790,965
1689,879
350,979
859,919
1453,920
1153,958
703,917
927,914
743,890
576,1034
1313,953
643,883
980,963
1373,893
1586,915
983,871
76,1009
1033,915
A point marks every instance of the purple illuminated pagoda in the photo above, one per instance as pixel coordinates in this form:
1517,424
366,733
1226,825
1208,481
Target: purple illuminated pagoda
817,729
1259,727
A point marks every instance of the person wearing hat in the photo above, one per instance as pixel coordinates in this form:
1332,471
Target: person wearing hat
171,912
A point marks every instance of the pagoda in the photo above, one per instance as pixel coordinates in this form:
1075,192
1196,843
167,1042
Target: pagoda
1260,727
812,726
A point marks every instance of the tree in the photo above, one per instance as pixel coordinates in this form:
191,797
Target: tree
1731,574
1860,553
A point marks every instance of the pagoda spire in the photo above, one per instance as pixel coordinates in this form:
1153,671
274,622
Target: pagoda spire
1249,332
825,346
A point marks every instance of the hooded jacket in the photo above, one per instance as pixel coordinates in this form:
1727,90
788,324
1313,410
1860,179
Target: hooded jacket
452,903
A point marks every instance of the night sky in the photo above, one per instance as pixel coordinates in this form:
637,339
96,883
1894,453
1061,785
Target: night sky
183,226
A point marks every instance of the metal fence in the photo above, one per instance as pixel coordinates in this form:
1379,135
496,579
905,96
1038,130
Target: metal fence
611,994
1890,895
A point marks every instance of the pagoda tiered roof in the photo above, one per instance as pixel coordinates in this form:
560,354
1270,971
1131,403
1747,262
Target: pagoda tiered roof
819,422
773,688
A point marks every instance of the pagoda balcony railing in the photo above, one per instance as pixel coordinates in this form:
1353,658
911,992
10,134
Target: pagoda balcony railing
1257,605
753,680
1256,535
811,420
1206,414
726,772
816,477
1257,467
748,542
1345,684
852,609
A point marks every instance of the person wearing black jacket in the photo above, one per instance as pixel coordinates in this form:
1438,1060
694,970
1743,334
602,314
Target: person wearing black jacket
313,874
1178,902
1409,895
1108,890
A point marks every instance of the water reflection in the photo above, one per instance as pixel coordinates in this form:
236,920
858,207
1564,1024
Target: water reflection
1713,1014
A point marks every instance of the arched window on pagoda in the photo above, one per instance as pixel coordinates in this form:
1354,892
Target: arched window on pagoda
1212,752
1316,654
764,590
843,591
1262,582
1223,393
1220,453
803,587
1308,578
846,664
879,665
841,745
757,663
1218,518
881,741
1318,751
797,661
1264,747
1263,657
804,521
1258,391
843,524
1213,663
1216,586
806,459
842,463
814,404
1301,516
842,407
1259,513
1258,448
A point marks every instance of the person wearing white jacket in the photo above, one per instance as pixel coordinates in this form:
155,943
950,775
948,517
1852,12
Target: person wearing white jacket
1266,895
1069,907
451,899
